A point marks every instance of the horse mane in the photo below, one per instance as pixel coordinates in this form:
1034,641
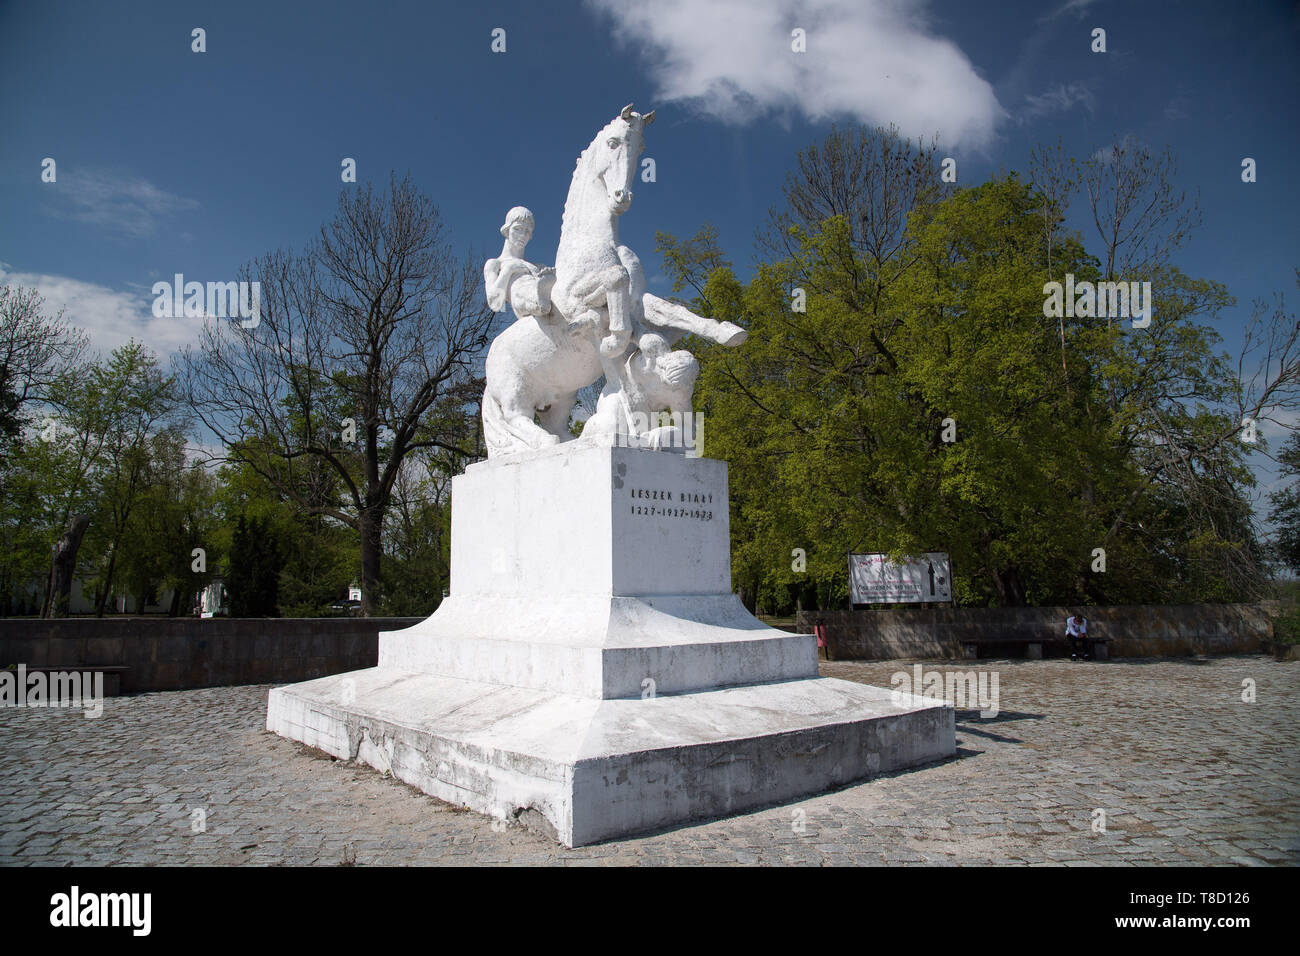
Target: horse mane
581,166
573,189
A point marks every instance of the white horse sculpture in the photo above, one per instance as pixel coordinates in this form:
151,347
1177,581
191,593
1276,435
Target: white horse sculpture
600,308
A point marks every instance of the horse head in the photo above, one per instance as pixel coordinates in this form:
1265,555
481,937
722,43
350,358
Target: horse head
613,154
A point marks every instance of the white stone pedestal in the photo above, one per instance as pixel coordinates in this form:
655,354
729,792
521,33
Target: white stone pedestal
591,664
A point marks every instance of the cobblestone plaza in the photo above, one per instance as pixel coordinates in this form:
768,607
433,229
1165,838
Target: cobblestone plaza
1125,762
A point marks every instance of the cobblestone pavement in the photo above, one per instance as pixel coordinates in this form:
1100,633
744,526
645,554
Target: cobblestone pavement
1184,770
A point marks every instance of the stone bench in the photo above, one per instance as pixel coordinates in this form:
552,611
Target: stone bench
1034,646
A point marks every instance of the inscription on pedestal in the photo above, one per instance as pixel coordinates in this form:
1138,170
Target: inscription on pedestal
670,524
662,503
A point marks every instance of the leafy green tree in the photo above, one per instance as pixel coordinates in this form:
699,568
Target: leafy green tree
418,535
253,581
901,390
318,557
125,401
323,557
418,532
86,461
843,408
25,527
177,517
418,568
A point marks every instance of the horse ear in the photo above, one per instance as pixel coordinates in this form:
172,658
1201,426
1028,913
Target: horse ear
626,112
648,118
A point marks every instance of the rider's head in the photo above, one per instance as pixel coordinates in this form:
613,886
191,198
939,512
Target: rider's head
522,216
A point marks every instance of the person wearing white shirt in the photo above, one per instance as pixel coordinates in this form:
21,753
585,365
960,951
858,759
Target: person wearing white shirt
1076,632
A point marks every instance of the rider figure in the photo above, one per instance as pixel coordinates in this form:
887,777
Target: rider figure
527,287
511,278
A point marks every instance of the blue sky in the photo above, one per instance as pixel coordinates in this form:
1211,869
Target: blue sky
174,161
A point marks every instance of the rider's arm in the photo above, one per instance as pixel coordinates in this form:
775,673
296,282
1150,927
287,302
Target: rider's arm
497,276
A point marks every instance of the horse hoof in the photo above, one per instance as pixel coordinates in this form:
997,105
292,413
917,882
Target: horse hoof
730,334
612,346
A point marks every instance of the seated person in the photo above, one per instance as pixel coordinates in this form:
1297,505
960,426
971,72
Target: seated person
1076,632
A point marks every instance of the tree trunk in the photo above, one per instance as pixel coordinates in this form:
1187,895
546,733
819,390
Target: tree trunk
372,523
58,590
107,592
1010,591
749,597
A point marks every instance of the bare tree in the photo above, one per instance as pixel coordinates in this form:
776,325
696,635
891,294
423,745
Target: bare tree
1055,177
359,337
1190,422
1272,346
1140,215
873,178
1181,410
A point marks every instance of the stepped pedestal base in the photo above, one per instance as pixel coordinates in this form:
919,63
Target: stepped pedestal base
592,671
595,769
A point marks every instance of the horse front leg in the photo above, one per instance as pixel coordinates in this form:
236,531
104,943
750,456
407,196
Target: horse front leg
670,315
618,300
610,288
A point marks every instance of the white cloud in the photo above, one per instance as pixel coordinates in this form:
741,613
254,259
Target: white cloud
1057,100
110,317
123,204
1106,154
874,61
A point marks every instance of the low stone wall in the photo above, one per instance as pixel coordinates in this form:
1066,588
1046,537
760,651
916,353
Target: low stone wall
1134,631
179,653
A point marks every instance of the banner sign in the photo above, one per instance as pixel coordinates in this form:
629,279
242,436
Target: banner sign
875,579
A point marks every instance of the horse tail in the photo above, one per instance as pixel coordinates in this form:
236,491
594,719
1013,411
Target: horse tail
496,433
